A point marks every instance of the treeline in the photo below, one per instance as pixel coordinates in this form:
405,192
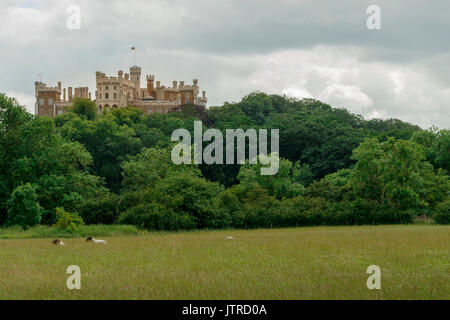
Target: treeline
336,168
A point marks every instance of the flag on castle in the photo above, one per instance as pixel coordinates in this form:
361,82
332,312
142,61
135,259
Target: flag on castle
133,48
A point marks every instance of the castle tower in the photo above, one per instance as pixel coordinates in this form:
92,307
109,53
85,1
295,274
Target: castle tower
150,84
135,74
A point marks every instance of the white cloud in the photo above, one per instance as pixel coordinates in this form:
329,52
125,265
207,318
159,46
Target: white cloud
298,93
348,96
25,100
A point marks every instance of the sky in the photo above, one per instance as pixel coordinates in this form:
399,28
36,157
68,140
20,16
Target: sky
315,49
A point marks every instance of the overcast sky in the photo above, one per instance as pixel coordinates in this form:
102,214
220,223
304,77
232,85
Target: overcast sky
302,48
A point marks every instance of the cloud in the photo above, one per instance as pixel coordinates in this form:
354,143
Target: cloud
23,99
295,47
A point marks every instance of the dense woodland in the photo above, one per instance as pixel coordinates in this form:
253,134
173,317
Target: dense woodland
336,168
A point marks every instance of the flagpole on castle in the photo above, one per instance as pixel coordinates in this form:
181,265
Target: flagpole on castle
134,50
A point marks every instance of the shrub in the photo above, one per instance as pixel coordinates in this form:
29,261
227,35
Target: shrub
23,207
101,210
442,215
154,216
195,196
68,221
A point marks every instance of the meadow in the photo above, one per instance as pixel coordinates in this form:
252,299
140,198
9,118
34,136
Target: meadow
295,263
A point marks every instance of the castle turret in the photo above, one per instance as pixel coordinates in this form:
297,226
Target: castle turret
135,74
150,82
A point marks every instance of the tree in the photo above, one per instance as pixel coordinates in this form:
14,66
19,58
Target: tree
284,184
68,221
85,108
33,152
107,142
194,195
436,144
145,169
333,187
395,173
23,207
442,215
258,106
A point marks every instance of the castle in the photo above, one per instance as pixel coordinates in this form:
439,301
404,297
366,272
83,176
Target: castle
121,91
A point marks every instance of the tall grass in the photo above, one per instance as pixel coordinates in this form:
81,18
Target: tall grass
301,263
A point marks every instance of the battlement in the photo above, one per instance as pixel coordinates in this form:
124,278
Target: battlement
41,86
135,69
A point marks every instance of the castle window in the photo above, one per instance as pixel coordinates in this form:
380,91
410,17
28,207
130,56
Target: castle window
115,95
106,88
171,96
50,101
159,111
41,102
60,111
106,96
115,88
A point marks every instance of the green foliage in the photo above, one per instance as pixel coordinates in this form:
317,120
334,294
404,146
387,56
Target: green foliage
257,106
33,152
187,200
335,168
100,210
84,108
150,166
67,221
195,196
154,216
284,184
23,207
108,142
442,215
436,144
395,173
333,187
128,116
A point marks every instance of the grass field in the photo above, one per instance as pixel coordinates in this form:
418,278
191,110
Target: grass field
301,263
